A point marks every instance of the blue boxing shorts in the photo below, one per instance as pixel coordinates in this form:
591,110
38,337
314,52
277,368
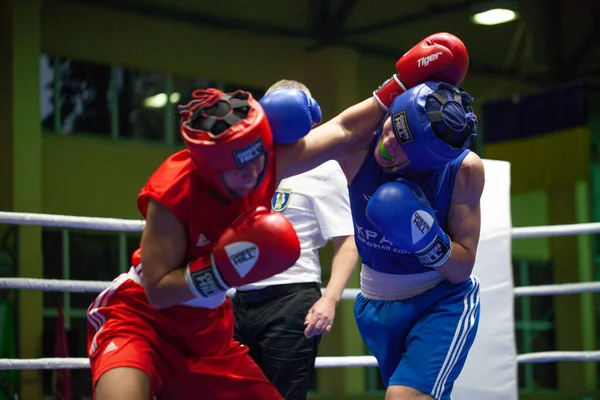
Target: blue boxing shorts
422,341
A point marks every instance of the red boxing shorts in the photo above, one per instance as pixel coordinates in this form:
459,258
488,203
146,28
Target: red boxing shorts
182,349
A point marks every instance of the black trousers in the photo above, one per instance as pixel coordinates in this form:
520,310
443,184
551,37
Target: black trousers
270,322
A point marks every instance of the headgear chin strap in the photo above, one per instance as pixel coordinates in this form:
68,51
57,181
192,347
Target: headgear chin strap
434,123
223,132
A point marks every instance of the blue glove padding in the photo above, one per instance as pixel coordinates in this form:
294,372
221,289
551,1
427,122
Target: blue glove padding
291,114
401,211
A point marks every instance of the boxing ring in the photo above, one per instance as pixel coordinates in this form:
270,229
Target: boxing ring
122,225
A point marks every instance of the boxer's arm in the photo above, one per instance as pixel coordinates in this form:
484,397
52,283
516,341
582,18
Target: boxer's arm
348,132
163,254
352,130
464,220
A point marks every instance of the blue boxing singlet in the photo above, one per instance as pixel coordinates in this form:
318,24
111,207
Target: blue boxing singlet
377,252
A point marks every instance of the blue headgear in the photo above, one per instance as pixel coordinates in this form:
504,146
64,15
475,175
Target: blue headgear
434,123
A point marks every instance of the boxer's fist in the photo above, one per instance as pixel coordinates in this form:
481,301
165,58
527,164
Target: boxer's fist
291,114
258,245
440,57
401,212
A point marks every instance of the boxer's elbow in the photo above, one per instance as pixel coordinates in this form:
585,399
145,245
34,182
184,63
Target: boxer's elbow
167,289
459,266
155,294
457,274
460,274
158,298
154,298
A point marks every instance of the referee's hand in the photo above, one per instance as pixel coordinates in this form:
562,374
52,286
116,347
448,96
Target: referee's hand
320,317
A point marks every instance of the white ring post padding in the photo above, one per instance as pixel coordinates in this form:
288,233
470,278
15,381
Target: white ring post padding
66,221
321,362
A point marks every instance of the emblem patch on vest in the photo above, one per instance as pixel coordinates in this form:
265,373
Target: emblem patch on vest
281,199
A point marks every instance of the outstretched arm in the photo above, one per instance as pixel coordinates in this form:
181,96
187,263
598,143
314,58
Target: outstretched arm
439,57
350,131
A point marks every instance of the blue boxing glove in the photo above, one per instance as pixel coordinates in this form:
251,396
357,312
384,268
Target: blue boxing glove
401,211
291,114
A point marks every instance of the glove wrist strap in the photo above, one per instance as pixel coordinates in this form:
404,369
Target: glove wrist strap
437,252
204,279
385,94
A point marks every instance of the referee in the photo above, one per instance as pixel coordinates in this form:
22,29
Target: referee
281,319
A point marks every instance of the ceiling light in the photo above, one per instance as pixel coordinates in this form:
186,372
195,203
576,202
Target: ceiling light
494,16
156,101
160,100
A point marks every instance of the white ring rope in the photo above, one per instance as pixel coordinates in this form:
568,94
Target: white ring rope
557,289
555,230
67,221
53,285
132,225
321,362
58,285
44,363
554,356
125,225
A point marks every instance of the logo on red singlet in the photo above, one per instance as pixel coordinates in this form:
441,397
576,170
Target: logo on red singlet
243,256
202,241
111,347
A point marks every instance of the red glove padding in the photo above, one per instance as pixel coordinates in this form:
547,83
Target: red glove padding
441,57
258,245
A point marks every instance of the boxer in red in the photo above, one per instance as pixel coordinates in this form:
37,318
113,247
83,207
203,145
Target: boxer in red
165,328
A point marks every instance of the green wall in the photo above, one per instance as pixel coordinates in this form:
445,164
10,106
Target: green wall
94,177
530,209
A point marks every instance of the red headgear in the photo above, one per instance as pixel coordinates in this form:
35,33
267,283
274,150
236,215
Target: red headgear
223,132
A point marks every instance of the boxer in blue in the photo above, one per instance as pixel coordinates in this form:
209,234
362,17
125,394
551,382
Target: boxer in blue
415,198
414,194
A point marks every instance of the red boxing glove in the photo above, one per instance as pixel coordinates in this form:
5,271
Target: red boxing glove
258,245
440,57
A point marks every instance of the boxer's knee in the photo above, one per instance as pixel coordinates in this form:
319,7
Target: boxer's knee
123,383
398,392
